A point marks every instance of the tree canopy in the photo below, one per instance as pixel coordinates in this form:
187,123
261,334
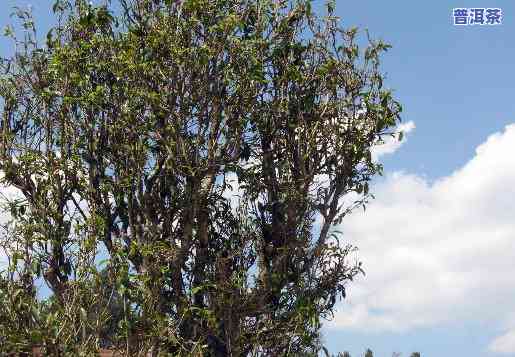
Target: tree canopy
180,166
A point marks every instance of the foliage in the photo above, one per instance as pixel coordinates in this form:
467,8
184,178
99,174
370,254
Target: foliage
122,134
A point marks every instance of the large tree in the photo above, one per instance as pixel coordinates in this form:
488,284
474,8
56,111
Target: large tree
129,135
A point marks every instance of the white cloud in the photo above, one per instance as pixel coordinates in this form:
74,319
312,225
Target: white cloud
6,193
504,344
441,252
392,144
235,191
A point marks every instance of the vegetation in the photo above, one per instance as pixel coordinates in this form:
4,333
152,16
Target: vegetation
129,134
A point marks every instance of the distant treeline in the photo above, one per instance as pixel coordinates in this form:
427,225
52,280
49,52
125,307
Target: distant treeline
369,353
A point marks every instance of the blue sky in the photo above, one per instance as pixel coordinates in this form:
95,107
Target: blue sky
440,251
456,85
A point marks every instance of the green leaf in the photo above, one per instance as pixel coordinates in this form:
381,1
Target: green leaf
8,31
331,4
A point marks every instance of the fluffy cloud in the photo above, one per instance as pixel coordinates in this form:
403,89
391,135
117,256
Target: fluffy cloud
392,143
438,252
505,343
6,193
10,193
